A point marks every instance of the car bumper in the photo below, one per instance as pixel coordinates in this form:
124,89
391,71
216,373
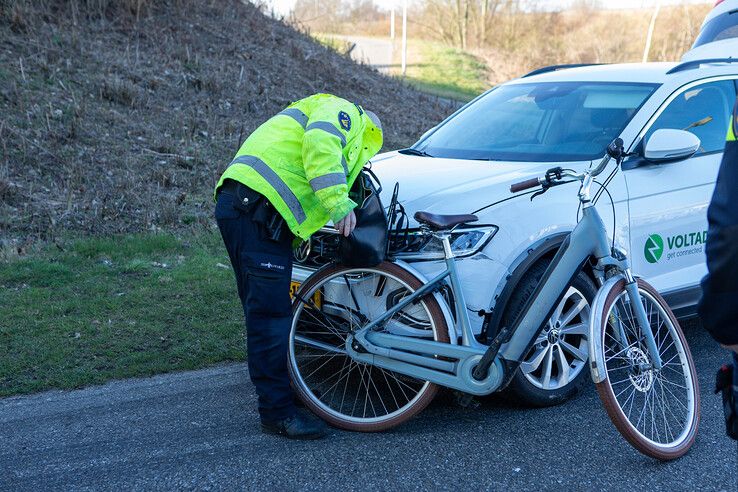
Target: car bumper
479,275
301,273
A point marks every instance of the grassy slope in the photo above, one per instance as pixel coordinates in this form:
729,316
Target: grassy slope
112,124
114,308
116,125
445,71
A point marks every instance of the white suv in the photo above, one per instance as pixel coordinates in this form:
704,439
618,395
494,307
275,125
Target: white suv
563,116
718,36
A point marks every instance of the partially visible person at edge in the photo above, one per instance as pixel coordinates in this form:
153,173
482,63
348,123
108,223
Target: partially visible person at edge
719,305
290,177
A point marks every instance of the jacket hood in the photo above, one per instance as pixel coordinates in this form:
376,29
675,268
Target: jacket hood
372,138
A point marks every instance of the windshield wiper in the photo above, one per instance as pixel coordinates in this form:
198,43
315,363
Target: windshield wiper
411,151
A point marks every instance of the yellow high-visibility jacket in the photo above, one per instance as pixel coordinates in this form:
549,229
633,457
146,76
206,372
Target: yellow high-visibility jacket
305,159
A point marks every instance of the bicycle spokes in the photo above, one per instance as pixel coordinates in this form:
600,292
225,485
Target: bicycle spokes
657,403
344,387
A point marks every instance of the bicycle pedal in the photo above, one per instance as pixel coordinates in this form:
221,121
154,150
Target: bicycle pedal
465,400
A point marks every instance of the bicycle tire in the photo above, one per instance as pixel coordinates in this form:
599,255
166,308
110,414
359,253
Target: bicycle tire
312,402
614,408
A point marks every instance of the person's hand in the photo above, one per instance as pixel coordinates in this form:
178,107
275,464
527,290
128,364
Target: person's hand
346,225
732,348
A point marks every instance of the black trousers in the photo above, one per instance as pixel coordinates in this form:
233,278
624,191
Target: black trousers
263,269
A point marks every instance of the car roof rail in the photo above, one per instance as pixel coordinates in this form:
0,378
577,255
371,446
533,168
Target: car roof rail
689,65
555,68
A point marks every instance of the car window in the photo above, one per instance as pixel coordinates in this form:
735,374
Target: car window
542,122
703,110
721,27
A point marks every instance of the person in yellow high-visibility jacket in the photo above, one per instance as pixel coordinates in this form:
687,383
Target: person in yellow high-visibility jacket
289,178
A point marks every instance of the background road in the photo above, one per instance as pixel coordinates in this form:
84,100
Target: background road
376,52
199,430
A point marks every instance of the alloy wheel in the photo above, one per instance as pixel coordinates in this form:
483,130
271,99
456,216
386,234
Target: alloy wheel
560,351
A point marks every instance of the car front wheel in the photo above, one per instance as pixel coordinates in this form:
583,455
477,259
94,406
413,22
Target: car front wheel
554,369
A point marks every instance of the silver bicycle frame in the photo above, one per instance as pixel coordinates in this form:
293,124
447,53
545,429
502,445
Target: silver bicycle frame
452,365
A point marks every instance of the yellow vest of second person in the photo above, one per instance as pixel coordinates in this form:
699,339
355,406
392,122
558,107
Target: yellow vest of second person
733,128
305,159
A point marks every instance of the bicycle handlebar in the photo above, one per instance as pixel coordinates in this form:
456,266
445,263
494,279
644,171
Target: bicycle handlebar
524,185
553,176
600,167
615,151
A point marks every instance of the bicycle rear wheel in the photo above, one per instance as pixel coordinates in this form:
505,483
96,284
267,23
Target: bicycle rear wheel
348,394
656,411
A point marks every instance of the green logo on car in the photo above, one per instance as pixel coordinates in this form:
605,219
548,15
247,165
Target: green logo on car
674,247
654,248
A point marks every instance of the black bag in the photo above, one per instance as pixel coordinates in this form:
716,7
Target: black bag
366,246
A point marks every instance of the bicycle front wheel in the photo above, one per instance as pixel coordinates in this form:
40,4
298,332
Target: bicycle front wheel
346,393
656,411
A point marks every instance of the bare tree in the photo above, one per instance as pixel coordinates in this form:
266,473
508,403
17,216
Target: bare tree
464,23
319,15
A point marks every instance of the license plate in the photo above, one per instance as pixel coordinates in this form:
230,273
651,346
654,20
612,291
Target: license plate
317,299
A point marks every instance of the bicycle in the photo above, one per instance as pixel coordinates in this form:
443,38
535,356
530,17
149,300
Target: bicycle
369,347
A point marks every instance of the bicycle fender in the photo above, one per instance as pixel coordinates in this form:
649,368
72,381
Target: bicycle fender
597,366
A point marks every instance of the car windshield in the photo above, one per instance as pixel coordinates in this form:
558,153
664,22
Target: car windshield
543,122
721,27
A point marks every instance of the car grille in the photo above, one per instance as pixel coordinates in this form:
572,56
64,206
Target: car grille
323,249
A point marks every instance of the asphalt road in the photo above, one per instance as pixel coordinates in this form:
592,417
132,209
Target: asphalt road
198,430
376,52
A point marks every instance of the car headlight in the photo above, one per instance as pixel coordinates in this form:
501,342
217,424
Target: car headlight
464,242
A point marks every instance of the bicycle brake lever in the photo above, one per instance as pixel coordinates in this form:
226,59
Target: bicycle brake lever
547,185
540,192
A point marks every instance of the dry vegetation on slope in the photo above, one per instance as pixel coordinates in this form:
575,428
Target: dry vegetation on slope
118,116
530,41
514,37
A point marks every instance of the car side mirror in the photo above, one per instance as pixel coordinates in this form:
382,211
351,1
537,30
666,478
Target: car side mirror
668,144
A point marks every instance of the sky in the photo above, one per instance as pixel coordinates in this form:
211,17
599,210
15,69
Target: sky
283,7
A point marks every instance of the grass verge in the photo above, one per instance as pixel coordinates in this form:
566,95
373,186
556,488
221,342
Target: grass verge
108,308
444,71
432,67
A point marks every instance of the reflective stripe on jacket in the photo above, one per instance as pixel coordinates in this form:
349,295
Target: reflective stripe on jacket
305,159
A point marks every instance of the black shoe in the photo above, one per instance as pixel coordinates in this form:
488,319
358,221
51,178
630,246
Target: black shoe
299,426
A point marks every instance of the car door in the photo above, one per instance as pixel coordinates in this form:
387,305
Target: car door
668,202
